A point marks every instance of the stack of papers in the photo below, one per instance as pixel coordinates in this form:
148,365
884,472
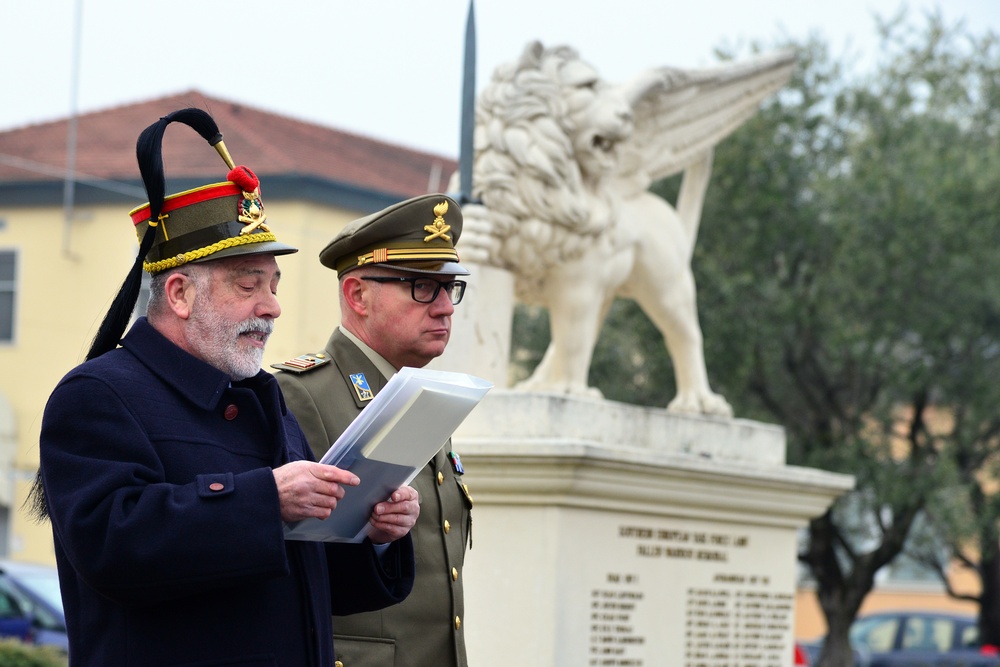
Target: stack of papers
389,443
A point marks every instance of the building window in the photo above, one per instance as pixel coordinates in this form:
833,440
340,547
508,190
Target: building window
8,285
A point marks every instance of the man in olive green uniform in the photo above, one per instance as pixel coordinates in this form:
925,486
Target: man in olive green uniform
398,290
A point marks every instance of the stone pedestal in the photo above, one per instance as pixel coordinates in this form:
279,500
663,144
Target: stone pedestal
613,535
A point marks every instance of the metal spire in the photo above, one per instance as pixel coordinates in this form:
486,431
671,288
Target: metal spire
468,110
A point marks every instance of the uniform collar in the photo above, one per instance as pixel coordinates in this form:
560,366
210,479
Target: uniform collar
201,383
384,367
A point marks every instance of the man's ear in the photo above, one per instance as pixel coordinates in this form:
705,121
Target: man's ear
355,292
180,293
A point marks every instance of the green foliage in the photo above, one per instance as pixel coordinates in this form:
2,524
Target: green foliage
529,335
13,653
849,288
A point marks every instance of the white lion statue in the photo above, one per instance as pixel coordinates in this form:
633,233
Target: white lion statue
562,166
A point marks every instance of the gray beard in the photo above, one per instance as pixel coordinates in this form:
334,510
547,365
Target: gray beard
217,342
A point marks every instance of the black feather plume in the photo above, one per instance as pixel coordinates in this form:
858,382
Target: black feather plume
148,151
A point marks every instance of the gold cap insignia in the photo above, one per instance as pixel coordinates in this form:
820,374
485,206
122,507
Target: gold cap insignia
439,228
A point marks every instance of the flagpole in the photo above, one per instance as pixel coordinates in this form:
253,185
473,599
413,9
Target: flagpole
69,182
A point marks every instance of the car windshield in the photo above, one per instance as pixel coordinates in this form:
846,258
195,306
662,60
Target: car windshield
44,584
22,592
920,632
875,634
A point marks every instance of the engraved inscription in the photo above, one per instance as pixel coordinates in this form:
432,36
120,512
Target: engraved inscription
613,608
737,628
732,619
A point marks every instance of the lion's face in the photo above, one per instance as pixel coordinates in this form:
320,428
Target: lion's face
548,133
598,117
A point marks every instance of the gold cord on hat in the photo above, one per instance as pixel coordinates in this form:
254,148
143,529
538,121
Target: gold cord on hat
161,221
192,255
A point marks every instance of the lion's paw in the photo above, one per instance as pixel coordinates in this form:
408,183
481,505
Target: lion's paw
700,403
568,388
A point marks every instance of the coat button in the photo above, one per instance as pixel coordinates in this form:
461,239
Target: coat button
458,622
447,526
231,412
338,664
440,478
454,574
216,486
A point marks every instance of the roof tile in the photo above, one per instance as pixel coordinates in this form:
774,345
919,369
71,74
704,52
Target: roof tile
266,142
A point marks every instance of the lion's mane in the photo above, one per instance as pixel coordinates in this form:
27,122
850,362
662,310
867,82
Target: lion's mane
527,173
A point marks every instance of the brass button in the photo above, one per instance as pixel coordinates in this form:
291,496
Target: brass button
454,574
231,412
440,478
447,526
458,622
216,486
338,664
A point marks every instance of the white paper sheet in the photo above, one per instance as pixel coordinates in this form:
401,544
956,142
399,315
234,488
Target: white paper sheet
389,442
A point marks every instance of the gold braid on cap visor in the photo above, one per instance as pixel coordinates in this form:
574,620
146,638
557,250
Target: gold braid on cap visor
200,253
388,255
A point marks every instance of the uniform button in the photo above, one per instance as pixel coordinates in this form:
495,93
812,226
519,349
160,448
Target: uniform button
458,622
338,664
454,574
447,526
440,478
216,486
231,412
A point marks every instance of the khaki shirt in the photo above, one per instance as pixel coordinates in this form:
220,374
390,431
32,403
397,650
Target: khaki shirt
426,629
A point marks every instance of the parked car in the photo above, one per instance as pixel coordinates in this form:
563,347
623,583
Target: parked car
915,638
30,604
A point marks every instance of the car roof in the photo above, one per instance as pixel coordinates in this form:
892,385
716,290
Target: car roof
923,613
16,566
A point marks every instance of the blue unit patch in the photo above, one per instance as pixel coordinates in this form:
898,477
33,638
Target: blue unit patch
361,387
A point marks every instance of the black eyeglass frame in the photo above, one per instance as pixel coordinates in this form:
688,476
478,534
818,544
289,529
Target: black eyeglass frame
448,285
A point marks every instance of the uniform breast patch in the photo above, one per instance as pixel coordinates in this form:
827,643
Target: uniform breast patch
360,383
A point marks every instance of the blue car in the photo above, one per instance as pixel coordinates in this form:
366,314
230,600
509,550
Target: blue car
30,604
915,638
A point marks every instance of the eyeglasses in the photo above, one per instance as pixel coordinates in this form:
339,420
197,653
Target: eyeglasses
426,290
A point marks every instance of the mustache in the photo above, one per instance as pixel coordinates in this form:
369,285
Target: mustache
255,324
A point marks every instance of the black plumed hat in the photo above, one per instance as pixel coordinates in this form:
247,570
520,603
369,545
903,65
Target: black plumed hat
207,223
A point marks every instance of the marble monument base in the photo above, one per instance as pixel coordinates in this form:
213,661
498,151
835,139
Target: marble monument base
613,535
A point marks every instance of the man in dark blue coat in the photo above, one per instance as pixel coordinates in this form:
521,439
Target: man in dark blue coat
170,464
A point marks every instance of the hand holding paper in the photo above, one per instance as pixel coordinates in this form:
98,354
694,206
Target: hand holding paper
307,489
394,518
387,445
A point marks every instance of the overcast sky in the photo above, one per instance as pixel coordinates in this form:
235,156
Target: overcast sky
389,69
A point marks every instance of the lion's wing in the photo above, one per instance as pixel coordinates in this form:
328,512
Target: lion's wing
679,113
